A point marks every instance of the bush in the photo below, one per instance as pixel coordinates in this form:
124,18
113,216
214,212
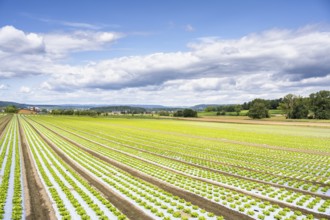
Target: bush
185,113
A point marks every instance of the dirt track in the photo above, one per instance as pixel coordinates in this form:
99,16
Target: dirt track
38,205
4,124
257,122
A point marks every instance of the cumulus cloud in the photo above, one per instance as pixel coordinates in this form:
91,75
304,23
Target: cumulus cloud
23,54
13,40
255,60
25,89
60,44
269,64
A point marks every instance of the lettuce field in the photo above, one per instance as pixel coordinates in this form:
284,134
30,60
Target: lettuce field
57,167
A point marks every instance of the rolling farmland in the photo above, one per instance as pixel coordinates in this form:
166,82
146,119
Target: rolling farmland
60,167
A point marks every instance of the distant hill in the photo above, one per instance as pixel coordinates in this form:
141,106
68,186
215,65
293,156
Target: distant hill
201,107
18,105
108,108
129,109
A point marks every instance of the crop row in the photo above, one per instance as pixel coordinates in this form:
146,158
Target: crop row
11,203
73,197
241,203
298,166
154,201
123,143
314,204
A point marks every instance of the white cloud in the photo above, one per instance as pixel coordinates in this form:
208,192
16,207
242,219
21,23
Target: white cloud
16,41
254,60
189,28
24,54
3,86
60,44
25,89
268,64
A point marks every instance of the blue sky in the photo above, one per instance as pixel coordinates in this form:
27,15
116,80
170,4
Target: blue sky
162,52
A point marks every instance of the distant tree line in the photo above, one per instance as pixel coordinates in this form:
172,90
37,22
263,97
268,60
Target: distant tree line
222,109
315,106
75,112
163,113
121,109
271,104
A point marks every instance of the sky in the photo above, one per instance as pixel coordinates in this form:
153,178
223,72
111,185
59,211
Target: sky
173,52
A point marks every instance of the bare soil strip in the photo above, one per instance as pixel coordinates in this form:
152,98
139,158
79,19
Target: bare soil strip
27,202
4,124
257,122
161,183
37,202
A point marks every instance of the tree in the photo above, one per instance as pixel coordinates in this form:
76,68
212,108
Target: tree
189,113
287,105
185,113
178,113
246,106
274,103
320,104
238,109
210,109
164,113
300,108
258,109
11,109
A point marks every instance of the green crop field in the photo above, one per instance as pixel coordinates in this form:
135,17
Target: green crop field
121,168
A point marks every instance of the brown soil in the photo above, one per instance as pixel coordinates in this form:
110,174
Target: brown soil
27,112
258,122
37,202
4,123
